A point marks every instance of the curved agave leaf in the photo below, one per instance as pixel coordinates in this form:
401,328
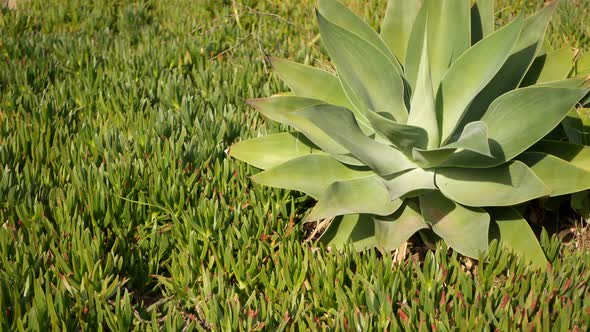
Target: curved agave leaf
483,20
514,69
559,175
340,125
577,126
473,138
355,229
463,229
540,107
311,174
550,67
411,181
288,110
505,185
577,155
392,231
375,83
423,110
309,82
514,232
414,51
404,137
470,73
337,13
365,195
397,25
272,150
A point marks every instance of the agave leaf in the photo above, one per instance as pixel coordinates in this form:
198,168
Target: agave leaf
505,185
577,155
365,195
514,232
541,107
402,136
414,50
397,25
423,110
337,13
414,180
514,69
392,231
464,229
355,229
550,67
309,82
340,125
272,150
470,73
287,110
483,20
375,83
561,176
473,138
311,174
577,126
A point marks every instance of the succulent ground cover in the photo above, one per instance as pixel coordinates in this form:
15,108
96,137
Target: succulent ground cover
119,209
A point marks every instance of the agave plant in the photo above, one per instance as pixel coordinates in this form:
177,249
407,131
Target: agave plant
435,125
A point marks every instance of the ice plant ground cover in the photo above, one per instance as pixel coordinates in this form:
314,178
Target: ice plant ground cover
119,209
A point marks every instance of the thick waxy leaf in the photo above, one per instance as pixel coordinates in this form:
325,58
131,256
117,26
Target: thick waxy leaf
541,108
365,195
335,12
402,136
397,25
311,174
577,126
514,232
392,231
374,82
471,73
463,229
482,19
550,67
577,155
414,51
514,69
287,110
272,150
473,138
505,185
340,125
355,229
309,82
559,175
423,110
411,181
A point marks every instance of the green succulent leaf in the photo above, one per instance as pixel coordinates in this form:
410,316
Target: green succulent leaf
514,232
397,25
505,185
423,110
272,150
415,180
414,50
470,73
311,174
541,107
337,13
392,231
559,175
355,229
577,155
464,229
483,20
309,82
404,137
340,124
577,126
288,110
514,69
550,67
373,82
365,195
